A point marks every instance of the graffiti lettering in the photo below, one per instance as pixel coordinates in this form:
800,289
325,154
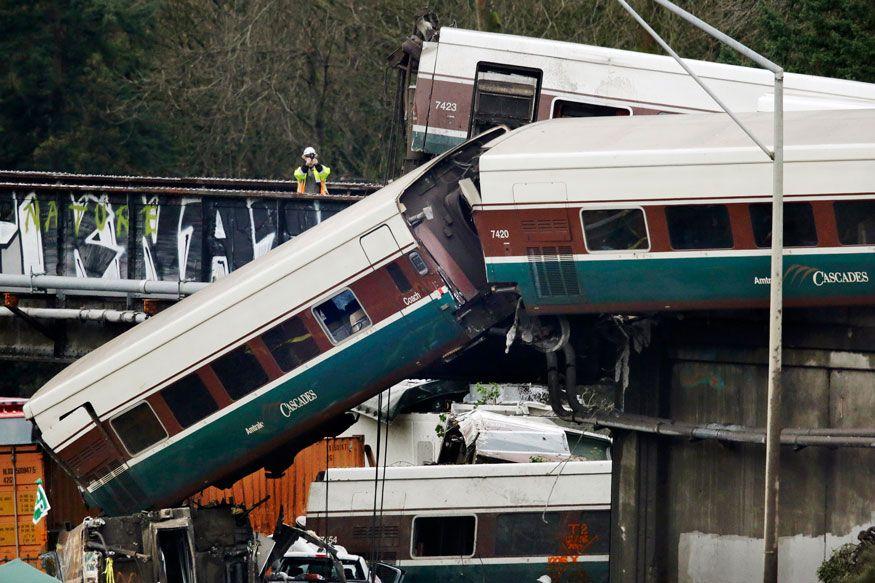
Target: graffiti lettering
576,541
145,237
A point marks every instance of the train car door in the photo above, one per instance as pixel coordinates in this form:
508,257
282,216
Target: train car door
379,244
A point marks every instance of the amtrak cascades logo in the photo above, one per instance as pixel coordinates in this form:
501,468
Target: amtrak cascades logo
292,405
802,273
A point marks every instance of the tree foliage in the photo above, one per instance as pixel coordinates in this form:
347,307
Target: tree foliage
68,92
239,87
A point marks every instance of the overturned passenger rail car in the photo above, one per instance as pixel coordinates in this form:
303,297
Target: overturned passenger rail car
256,366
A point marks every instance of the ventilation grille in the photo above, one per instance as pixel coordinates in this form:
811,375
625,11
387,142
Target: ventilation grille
546,229
386,531
553,271
94,458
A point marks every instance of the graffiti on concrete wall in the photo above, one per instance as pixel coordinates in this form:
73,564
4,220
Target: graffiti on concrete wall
135,236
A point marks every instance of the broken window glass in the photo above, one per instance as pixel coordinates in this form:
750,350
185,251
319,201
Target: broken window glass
342,316
699,226
138,428
799,228
291,344
855,220
503,95
443,536
240,372
615,229
189,400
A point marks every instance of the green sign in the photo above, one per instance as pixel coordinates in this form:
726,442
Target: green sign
41,506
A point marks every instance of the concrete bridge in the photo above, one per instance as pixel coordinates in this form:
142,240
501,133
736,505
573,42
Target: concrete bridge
120,232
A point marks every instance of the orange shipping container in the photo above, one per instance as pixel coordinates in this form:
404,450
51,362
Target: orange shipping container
292,489
20,467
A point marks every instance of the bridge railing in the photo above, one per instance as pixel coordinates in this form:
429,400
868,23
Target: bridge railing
151,228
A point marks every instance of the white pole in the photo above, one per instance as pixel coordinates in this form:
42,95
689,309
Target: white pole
776,301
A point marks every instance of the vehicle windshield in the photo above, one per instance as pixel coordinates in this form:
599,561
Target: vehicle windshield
320,569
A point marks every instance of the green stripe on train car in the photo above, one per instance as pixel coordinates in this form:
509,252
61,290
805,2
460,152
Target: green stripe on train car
434,143
472,570
696,279
218,443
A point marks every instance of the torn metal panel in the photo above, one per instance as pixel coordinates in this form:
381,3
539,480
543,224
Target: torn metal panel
169,545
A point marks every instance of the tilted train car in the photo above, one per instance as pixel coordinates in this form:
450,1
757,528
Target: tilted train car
263,362
468,81
674,212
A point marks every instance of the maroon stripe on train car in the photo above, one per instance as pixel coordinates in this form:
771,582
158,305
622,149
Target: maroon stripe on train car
825,224
443,104
165,415
87,453
265,358
534,226
657,226
742,229
214,385
378,295
431,97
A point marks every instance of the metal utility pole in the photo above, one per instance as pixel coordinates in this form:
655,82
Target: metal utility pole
776,299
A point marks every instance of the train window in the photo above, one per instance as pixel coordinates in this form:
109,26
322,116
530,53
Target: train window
401,281
342,316
563,108
189,400
699,226
418,263
138,428
291,344
855,220
539,534
799,229
240,372
615,230
504,96
443,536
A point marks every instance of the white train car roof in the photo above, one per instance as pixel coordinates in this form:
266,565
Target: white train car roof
655,157
146,353
470,487
614,74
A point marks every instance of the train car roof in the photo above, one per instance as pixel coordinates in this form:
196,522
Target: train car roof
842,89
679,140
224,293
431,472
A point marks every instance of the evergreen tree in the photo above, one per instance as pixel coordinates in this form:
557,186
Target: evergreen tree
68,87
834,38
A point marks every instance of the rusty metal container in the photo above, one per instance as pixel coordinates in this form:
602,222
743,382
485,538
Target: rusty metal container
20,467
291,490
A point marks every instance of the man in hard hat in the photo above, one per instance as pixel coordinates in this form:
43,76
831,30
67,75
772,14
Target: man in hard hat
311,175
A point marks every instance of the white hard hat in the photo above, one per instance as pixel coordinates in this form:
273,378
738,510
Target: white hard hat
545,579
309,150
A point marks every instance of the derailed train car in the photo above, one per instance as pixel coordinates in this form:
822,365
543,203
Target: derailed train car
466,81
659,213
262,363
